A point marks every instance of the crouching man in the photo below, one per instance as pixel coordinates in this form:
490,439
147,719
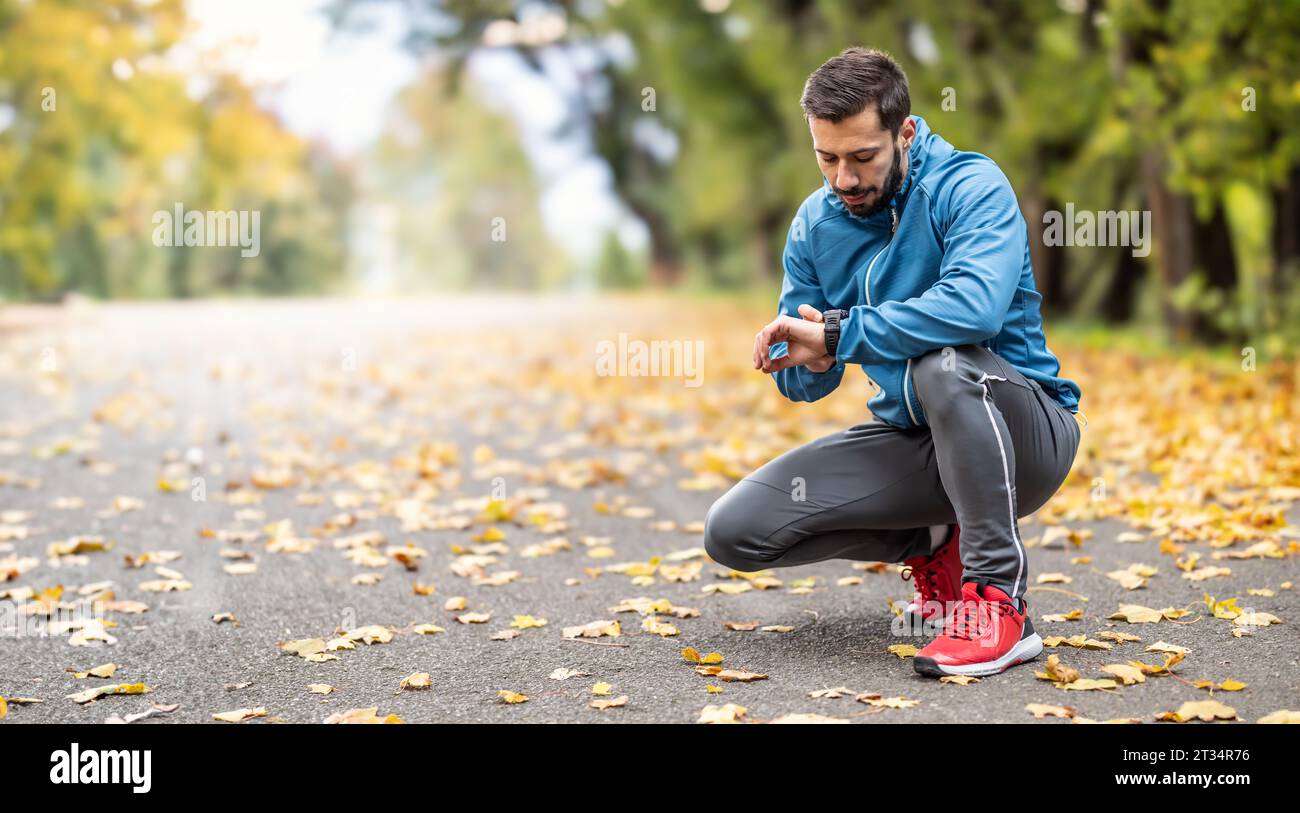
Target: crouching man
912,262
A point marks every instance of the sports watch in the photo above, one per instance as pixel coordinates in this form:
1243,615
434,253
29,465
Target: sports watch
832,332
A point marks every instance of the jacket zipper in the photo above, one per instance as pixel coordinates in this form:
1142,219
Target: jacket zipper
907,397
866,286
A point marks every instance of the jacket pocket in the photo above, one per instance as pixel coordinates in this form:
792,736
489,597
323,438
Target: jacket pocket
890,403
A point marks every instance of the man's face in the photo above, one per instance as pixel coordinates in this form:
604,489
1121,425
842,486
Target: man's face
862,160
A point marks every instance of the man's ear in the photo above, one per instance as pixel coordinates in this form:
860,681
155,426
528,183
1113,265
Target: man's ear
907,132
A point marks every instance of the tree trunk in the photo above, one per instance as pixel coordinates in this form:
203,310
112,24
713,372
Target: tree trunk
1171,220
1117,304
1213,244
178,273
665,256
1286,236
1048,261
767,259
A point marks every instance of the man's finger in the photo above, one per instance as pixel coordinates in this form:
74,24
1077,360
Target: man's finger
770,363
783,363
771,334
760,346
810,313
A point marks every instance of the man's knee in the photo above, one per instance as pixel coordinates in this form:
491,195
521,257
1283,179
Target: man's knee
731,533
937,375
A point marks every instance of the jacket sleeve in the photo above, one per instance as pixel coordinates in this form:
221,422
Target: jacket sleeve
800,287
984,244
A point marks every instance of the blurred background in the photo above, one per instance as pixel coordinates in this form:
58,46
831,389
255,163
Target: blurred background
461,203
399,147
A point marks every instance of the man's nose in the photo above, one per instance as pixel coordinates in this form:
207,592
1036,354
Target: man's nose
846,180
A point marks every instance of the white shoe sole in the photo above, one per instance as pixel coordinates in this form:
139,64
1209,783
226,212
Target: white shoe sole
1025,650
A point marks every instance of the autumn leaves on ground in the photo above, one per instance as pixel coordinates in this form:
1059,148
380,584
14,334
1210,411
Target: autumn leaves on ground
441,511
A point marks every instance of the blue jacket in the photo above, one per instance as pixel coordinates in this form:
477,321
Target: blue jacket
954,271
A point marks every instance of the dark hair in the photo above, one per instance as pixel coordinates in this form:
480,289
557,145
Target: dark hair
844,85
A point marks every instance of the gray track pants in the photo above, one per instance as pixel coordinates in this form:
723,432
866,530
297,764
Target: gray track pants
996,449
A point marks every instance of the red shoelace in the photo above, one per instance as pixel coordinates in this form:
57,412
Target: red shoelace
968,621
924,578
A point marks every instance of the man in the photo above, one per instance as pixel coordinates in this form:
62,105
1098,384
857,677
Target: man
912,261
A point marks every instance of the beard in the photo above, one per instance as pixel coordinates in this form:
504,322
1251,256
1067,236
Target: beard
881,202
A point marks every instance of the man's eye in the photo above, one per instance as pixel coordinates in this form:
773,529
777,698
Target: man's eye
826,160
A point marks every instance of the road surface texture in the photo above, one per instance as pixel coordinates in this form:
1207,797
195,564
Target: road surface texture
320,468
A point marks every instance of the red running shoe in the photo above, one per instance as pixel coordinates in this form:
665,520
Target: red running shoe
938,584
985,634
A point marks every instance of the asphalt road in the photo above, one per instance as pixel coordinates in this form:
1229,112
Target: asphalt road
270,379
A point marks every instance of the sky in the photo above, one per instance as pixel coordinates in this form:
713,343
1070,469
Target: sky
336,86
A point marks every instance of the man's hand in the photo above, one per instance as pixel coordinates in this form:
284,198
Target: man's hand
805,339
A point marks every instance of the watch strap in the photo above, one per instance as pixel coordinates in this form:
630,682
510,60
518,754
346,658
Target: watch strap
832,320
